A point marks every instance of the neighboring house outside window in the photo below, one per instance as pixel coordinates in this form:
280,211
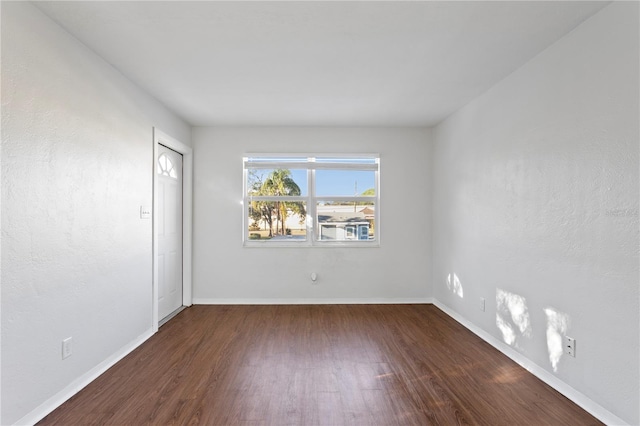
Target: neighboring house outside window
311,200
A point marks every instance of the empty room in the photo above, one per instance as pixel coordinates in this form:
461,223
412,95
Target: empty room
320,213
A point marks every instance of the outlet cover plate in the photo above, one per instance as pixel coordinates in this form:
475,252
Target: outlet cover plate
67,348
570,346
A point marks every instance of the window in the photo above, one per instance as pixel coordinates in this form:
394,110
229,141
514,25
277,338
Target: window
165,167
311,200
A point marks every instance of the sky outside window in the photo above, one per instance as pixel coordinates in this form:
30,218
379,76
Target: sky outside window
343,182
331,182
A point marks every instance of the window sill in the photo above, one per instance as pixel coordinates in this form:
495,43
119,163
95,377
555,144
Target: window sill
307,244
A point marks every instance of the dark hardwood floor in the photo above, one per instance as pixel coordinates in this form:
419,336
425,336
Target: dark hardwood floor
317,365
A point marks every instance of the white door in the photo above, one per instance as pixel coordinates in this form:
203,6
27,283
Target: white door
169,169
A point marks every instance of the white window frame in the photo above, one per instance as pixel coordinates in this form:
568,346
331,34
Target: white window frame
308,162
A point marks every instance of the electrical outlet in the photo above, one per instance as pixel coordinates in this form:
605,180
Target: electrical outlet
67,349
570,346
482,303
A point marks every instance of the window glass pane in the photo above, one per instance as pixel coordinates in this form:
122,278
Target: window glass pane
282,182
345,182
165,167
346,160
277,221
276,159
345,221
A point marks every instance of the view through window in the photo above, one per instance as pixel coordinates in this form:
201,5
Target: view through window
311,200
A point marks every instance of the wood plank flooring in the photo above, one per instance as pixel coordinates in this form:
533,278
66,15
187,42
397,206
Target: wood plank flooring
317,365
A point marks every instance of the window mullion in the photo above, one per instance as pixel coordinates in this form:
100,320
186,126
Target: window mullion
311,204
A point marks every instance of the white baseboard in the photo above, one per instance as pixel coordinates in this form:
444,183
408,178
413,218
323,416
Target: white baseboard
77,385
579,398
338,301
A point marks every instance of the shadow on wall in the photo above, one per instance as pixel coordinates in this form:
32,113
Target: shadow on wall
512,317
454,285
557,325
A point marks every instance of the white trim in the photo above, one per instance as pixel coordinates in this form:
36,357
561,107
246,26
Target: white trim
312,208
291,198
302,165
577,397
160,137
314,155
77,385
339,301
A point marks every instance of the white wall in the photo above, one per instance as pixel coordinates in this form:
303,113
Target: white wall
77,165
225,271
535,196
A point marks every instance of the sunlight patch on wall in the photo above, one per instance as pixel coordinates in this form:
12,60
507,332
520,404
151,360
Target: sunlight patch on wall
557,325
508,333
454,285
512,316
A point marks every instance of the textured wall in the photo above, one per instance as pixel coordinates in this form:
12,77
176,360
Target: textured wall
77,165
224,270
536,209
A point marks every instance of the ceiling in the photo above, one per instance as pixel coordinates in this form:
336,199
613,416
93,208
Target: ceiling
334,63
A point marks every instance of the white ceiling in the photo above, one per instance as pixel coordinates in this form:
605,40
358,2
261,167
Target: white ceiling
317,63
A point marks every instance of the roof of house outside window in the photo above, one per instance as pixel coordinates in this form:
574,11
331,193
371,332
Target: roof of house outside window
341,217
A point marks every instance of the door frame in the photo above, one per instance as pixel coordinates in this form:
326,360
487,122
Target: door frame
161,138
